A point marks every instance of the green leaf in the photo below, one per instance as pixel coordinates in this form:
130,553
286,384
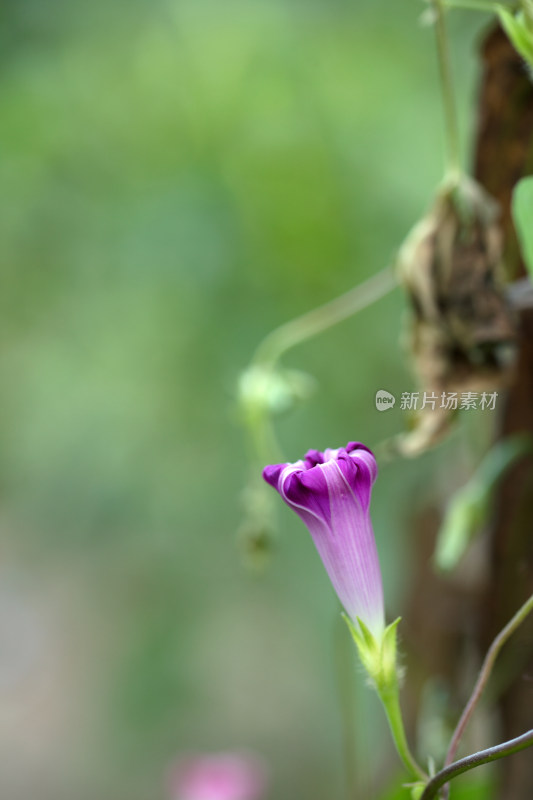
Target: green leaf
523,219
517,28
469,508
464,517
527,6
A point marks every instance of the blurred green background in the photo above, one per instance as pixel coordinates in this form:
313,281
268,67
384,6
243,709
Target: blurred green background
177,178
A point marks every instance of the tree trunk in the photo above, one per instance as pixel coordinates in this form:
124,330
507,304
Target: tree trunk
471,606
503,154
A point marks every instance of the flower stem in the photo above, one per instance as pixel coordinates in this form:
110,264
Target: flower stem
320,319
475,760
391,703
446,83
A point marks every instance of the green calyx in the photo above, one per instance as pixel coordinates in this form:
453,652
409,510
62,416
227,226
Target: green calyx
378,655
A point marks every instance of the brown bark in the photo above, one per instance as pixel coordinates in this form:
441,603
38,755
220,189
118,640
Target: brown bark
503,151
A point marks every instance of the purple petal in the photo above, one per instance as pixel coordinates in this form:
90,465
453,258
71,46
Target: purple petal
272,472
313,457
306,492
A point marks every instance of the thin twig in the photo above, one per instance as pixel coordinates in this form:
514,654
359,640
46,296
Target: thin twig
476,760
473,5
319,319
446,82
484,675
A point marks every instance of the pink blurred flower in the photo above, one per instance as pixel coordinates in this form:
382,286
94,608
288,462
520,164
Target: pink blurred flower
218,776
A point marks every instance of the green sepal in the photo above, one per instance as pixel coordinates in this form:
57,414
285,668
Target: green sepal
367,646
368,637
389,651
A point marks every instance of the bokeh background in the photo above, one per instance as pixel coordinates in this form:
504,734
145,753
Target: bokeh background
178,177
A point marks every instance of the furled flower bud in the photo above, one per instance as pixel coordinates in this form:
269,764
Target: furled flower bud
331,491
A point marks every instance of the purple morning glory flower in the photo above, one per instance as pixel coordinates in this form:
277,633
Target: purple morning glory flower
330,492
